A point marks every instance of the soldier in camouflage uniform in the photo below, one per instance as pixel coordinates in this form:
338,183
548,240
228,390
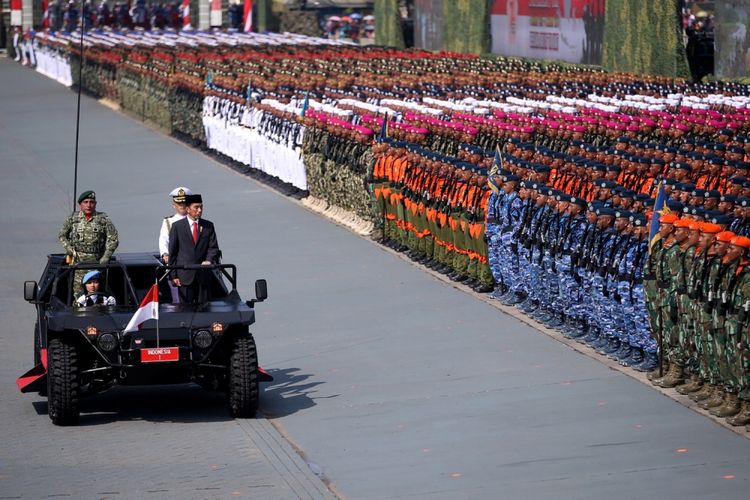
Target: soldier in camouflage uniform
88,236
669,276
651,286
734,305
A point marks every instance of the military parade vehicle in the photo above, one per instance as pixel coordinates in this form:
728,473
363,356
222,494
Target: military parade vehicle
79,351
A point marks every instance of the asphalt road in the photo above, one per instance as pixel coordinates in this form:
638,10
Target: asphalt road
389,382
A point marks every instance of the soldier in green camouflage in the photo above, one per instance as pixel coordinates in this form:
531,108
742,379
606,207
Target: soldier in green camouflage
88,236
715,337
669,277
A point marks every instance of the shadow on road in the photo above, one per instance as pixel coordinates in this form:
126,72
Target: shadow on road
179,403
288,393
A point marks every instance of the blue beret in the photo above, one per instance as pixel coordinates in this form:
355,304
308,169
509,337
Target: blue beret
622,213
729,198
605,211
606,184
712,193
578,201
89,276
674,205
722,219
638,219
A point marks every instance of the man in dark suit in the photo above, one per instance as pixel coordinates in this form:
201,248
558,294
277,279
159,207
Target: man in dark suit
192,241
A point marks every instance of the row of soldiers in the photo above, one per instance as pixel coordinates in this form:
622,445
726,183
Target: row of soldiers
697,284
433,207
586,269
572,265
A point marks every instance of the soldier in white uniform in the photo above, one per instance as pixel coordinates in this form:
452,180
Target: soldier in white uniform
178,203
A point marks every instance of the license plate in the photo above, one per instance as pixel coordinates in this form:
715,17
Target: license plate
160,354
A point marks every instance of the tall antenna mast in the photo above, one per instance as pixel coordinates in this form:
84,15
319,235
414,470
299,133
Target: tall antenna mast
78,109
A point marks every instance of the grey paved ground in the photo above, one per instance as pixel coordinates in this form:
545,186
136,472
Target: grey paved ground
392,383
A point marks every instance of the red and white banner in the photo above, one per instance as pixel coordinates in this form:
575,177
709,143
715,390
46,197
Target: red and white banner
45,15
568,30
214,15
185,14
149,309
16,12
247,16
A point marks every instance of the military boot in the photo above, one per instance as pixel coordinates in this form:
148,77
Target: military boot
650,364
730,408
694,385
623,352
635,358
592,336
674,377
705,392
613,344
716,399
579,329
743,417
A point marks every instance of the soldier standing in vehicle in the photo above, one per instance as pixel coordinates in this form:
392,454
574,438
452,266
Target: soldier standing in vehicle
88,236
178,203
178,195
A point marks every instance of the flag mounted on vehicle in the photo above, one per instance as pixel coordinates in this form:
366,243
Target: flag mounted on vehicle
149,309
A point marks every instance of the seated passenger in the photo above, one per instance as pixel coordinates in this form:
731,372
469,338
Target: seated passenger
93,297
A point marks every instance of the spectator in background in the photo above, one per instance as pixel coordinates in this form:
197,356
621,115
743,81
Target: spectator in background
369,27
70,17
55,15
355,25
103,15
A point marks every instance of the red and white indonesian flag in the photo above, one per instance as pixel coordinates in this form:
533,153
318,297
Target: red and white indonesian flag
16,12
248,16
186,13
149,309
45,15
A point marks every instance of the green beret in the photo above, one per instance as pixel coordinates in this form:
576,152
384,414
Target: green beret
87,195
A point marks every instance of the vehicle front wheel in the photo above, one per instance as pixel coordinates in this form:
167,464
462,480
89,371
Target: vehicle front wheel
243,390
63,384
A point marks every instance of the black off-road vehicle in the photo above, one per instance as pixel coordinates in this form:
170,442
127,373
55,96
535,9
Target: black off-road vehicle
84,350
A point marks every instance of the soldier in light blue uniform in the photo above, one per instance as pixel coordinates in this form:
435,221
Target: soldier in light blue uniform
614,321
571,239
597,262
534,253
583,311
644,345
509,217
523,278
547,279
492,229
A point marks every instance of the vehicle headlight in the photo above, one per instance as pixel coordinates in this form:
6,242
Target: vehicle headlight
107,341
202,339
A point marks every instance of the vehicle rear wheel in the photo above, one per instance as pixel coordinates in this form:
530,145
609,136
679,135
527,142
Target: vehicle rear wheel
63,384
243,390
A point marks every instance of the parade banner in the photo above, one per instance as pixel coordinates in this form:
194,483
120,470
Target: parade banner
567,30
732,39
428,24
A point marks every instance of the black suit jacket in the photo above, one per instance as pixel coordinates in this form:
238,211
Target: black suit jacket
183,251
